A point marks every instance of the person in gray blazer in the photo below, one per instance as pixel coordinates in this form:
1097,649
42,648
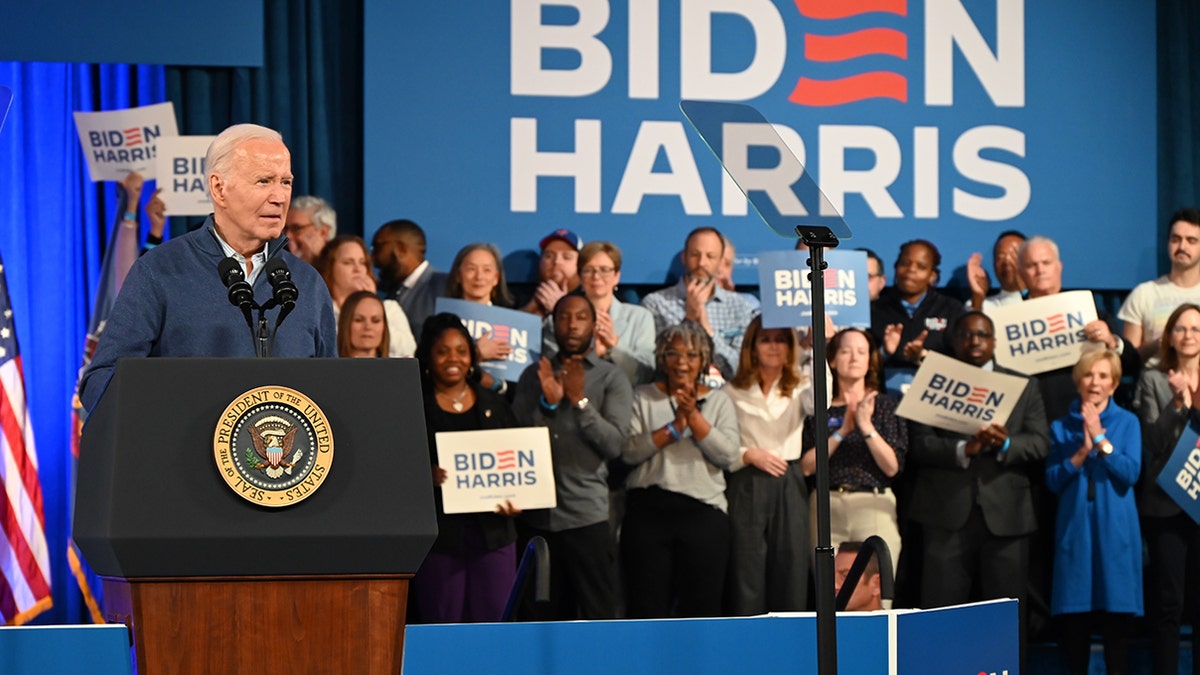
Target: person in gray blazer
972,494
398,251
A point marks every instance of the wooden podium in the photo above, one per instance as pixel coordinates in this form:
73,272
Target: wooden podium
210,582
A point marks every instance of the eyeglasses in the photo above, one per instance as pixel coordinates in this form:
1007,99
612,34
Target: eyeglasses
597,271
673,355
296,228
1183,330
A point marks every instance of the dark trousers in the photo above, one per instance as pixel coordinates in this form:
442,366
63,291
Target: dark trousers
1077,640
958,561
675,551
768,563
465,587
1174,548
583,574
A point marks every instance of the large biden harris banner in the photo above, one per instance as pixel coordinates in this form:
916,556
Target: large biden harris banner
951,120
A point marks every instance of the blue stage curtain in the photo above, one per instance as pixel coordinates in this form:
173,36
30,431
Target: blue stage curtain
54,226
1178,112
309,89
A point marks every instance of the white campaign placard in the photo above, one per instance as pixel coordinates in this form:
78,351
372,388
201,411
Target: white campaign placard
1043,334
116,142
949,394
485,468
181,175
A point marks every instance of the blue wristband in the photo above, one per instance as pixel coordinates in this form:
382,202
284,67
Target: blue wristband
1004,448
1099,439
546,404
496,384
673,431
837,436
131,216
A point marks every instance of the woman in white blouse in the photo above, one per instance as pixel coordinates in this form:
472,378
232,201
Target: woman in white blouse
768,498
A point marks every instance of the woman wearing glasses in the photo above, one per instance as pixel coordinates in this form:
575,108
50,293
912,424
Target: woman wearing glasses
675,538
624,332
1167,397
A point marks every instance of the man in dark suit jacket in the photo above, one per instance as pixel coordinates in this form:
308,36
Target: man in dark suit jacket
398,250
972,493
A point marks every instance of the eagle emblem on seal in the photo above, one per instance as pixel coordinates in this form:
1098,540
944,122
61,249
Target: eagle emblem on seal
273,437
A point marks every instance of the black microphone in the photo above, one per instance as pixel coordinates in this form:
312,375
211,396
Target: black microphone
240,293
283,289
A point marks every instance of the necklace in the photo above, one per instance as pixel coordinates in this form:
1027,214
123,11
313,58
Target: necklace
456,402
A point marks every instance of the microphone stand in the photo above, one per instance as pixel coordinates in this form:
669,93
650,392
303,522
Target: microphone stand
263,339
817,239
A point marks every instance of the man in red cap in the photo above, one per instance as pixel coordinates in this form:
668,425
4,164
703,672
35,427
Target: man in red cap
558,271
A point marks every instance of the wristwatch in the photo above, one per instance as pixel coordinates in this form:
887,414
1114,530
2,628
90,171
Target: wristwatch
582,403
1105,448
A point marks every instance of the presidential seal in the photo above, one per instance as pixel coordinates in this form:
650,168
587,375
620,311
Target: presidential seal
273,446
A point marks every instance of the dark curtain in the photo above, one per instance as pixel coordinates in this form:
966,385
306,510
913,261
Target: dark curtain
1178,112
309,89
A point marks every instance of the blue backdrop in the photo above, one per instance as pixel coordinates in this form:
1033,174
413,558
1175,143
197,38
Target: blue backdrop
937,118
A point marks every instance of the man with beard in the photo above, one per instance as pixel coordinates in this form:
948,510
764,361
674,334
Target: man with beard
1149,304
586,402
972,495
398,251
558,271
1004,261
699,298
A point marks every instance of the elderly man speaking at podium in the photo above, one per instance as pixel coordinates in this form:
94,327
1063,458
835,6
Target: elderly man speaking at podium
175,302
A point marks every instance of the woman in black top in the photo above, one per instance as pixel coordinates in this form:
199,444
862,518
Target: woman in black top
469,571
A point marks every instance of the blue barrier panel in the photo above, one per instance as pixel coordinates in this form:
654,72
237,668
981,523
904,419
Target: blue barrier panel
868,644
95,650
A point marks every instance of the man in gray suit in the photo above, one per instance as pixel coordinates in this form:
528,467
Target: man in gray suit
398,250
972,494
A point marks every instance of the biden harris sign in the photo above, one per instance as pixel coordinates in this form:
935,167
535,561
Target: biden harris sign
951,120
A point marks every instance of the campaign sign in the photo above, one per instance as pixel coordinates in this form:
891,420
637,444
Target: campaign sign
1180,476
117,142
786,289
522,330
181,175
939,119
1043,334
489,467
949,394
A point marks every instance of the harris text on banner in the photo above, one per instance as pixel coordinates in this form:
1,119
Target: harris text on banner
949,394
1180,476
1043,334
116,142
787,290
486,468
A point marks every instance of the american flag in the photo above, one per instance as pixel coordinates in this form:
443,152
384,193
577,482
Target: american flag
24,559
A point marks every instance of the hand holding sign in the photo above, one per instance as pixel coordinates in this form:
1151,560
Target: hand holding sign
1097,331
492,348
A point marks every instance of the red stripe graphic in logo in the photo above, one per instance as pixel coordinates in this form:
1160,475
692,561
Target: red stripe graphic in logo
978,395
827,48
839,48
133,136
1057,323
506,459
831,280
501,332
841,9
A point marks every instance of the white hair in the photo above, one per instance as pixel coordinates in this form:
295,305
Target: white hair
221,149
1038,239
322,213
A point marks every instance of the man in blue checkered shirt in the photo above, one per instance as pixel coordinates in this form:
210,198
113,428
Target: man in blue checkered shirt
697,297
